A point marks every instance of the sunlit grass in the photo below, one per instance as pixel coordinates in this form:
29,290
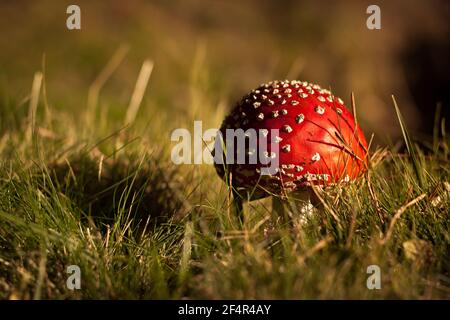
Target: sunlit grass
92,189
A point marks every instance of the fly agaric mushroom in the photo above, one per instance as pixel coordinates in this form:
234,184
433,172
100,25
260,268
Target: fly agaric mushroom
318,141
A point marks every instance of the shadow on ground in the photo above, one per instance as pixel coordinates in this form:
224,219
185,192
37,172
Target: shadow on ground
148,193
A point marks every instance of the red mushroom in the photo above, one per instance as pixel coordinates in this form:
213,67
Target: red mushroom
318,141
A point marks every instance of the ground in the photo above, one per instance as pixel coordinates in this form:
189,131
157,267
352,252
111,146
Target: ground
74,192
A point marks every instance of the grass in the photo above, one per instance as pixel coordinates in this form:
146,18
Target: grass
84,188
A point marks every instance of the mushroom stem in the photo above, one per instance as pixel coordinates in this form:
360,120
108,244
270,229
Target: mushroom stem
302,206
304,203
279,210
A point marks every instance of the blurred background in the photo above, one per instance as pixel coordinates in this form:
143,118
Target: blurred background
207,54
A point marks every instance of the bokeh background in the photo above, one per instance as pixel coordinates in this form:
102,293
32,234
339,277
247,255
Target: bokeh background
207,54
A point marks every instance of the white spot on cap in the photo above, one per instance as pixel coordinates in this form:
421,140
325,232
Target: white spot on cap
261,116
316,157
310,177
339,110
264,132
286,128
275,114
320,98
272,155
284,112
286,148
303,95
256,104
294,102
319,110
299,118
340,101
277,139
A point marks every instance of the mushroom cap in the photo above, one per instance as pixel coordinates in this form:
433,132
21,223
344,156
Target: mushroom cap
318,141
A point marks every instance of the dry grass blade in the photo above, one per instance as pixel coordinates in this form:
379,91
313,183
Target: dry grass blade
104,75
34,100
317,247
397,215
374,198
186,250
139,89
42,273
378,156
352,97
325,205
44,93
